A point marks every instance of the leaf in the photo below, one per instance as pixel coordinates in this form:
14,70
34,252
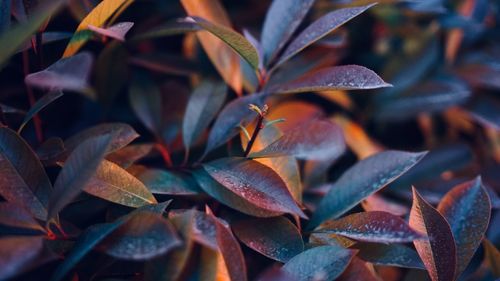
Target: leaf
374,226
71,73
254,182
111,73
113,183
389,255
38,106
12,39
17,253
319,29
167,182
116,31
145,99
492,257
122,133
23,180
5,7
234,113
204,103
230,249
362,180
144,236
467,209
47,37
438,252
345,77
316,139
282,19
170,28
97,17
50,150
14,215
77,172
127,156
319,263
230,199
377,202
221,55
232,38
358,270
276,238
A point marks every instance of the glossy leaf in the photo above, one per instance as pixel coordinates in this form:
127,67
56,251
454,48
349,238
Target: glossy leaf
14,215
377,202
282,19
116,31
276,238
77,172
374,226
438,252
346,77
232,38
389,255
317,140
113,183
144,236
492,257
234,113
23,180
204,103
167,182
319,29
467,209
71,73
97,17
39,105
222,56
255,183
319,263
17,253
362,180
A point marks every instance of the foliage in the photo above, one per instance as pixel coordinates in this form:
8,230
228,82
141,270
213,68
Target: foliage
164,140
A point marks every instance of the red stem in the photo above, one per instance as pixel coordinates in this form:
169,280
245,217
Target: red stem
31,98
163,149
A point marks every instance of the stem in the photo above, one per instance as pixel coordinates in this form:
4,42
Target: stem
163,149
31,98
258,127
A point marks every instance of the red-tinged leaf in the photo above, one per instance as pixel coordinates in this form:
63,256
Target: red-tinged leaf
165,63
230,249
116,31
14,215
230,199
70,73
234,113
144,236
377,202
275,274
389,255
492,257
319,29
346,77
282,19
467,209
113,183
22,178
438,252
17,254
204,103
202,227
77,172
362,180
316,140
254,182
166,182
232,38
128,155
276,238
123,134
39,105
319,263
358,271
374,226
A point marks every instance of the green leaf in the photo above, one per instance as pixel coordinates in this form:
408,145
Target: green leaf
319,29
113,183
425,219
319,263
362,180
276,238
145,99
374,226
111,72
22,178
255,183
77,172
39,105
167,182
235,40
204,104
467,209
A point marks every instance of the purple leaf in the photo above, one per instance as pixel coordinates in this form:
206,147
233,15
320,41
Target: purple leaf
18,254
116,31
127,156
346,77
390,255
14,215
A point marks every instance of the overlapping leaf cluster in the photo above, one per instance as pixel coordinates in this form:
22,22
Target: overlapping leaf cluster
267,169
